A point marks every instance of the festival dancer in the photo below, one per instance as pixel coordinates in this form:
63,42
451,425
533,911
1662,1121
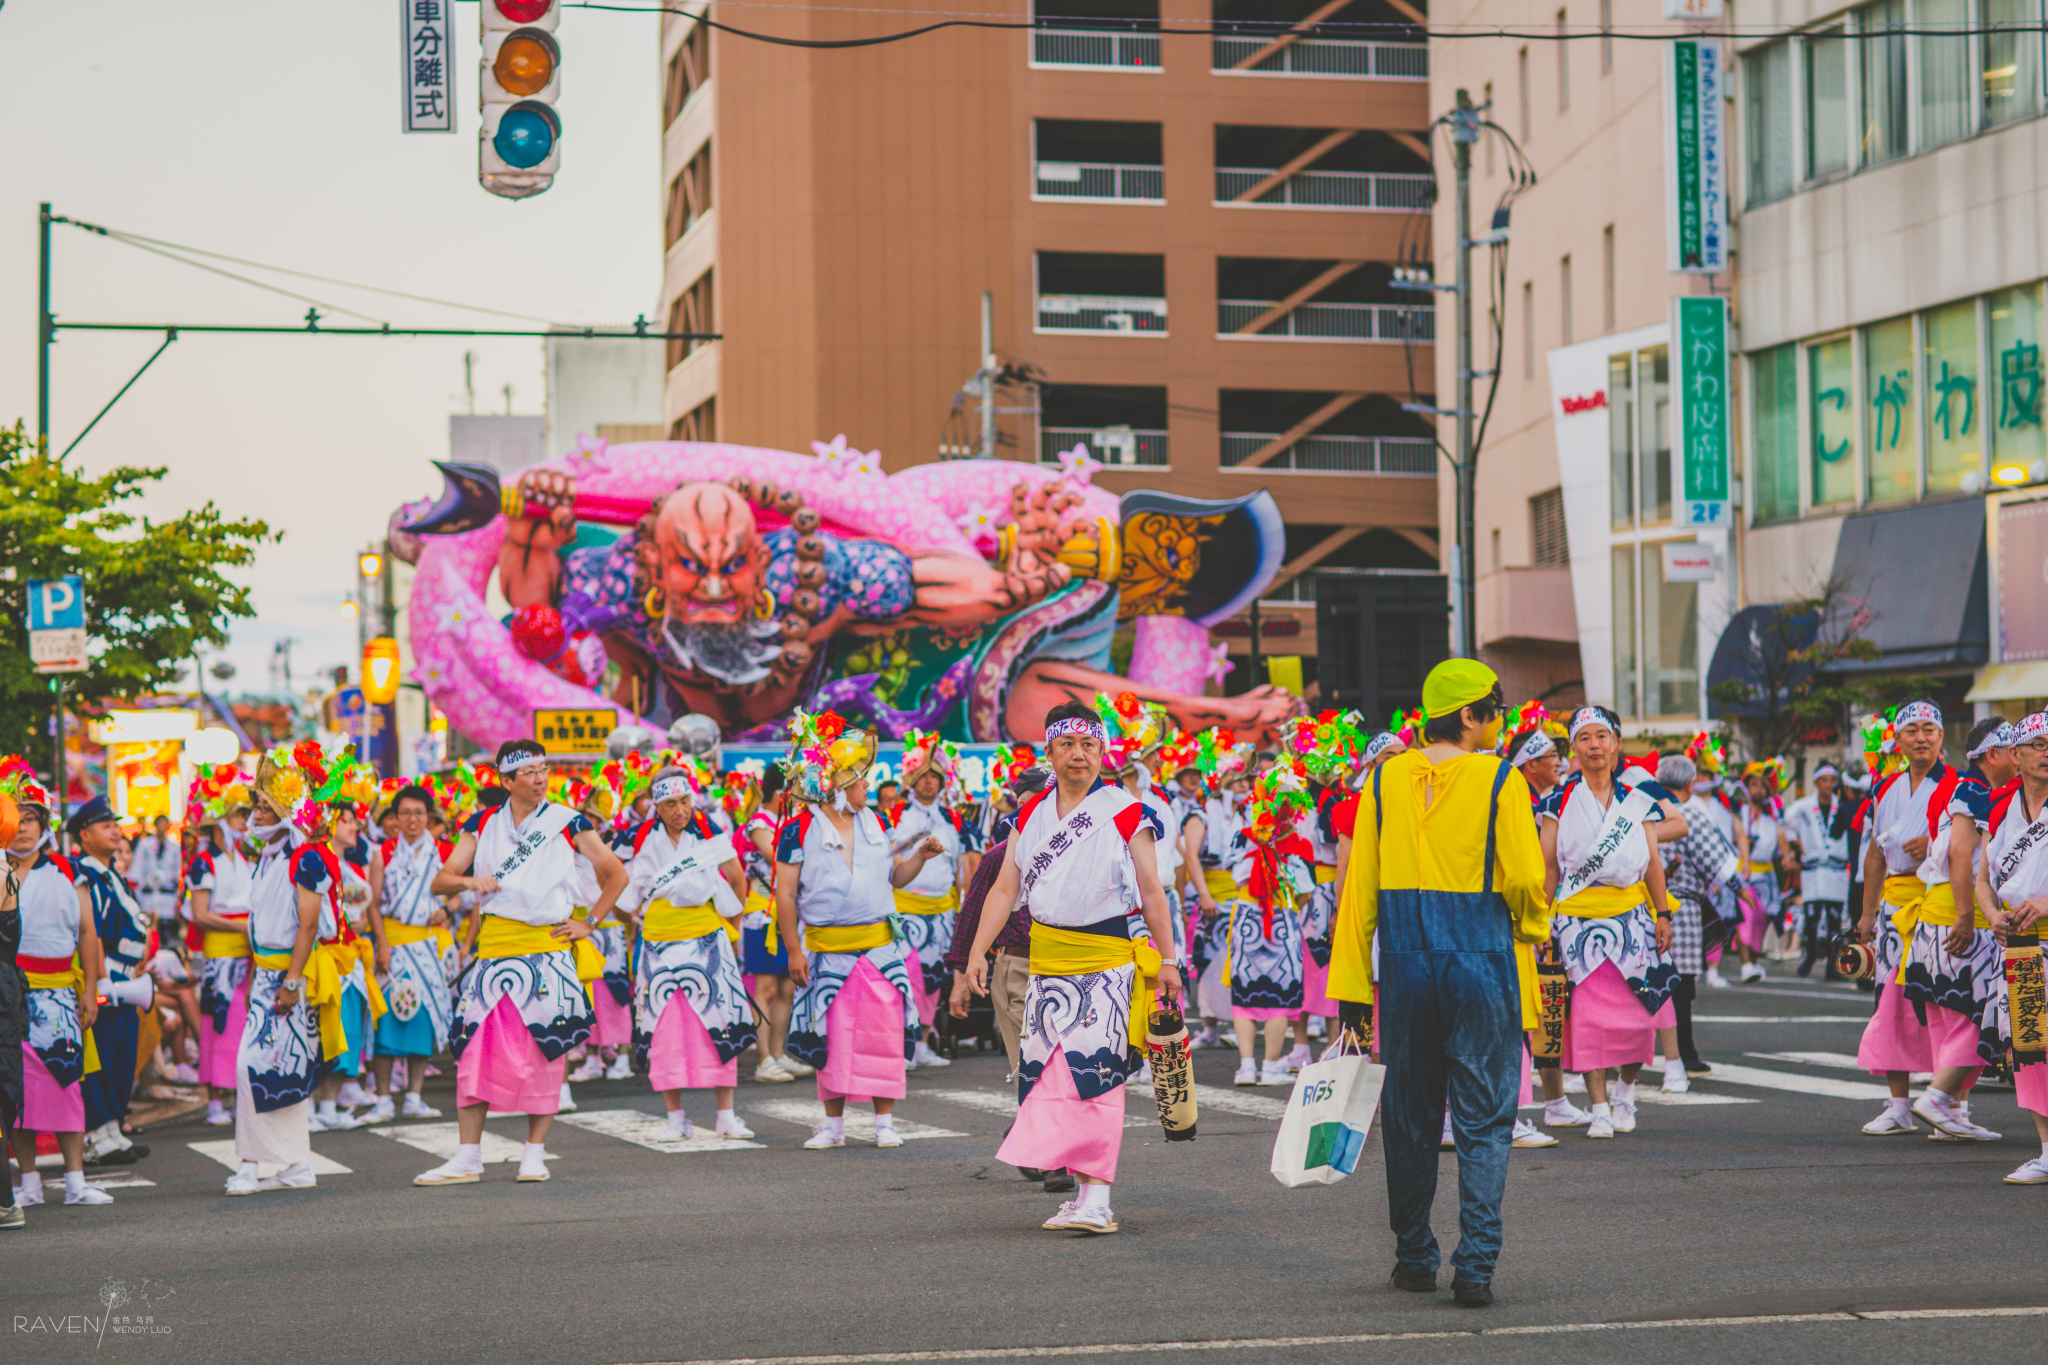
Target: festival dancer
694,1018
1614,925
1768,850
1697,867
285,1045
59,953
1263,950
1225,767
835,886
523,1002
123,927
1823,855
1082,864
1900,820
218,882
765,957
1447,886
154,867
931,903
2012,880
420,1004
611,995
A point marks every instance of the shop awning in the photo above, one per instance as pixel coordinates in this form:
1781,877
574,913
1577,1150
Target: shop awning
1922,571
2011,682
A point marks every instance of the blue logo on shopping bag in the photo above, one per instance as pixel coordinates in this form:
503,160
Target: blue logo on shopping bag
1335,1145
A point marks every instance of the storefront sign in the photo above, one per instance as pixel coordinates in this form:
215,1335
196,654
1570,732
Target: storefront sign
1696,157
1699,381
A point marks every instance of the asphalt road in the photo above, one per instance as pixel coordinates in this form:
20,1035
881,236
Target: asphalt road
1750,1222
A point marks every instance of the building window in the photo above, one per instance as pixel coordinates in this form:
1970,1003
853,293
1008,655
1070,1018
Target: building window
1607,278
1653,433
1496,548
2012,60
1621,450
1606,36
1774,470
687,71
1767,78
1827,104
1522,90
1832,386
1564,67
2018,438
1948,380
1656,637
1948,99
1892,432
698,424
689,197
1549,547
1883,57
1564,299
1625,693
1528,329
693,311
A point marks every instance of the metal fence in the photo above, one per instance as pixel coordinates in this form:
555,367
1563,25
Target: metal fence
1331,189
1143,448
1329,57
1100,313
1099,180
1085,47
1331,321
1336,454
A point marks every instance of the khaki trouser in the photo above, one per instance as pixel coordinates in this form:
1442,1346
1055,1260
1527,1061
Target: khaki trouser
1007,981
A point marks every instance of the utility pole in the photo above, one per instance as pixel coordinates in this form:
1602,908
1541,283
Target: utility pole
44,336
1465,132
988,375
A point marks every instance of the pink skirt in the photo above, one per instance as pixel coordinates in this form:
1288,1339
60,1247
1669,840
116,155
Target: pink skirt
217,1051
47,1107
614,1021
1952,1039
1261,1012
1894,1039
927,1001
1315,983
1528,1078
1056,1128
681,1056
503,1067
2030,1087
1756,914
1608,1026
864,1040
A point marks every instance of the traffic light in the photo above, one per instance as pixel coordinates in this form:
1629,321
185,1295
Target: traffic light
520,145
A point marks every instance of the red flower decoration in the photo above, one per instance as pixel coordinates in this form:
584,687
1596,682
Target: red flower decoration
1127,704
1225,737
830,726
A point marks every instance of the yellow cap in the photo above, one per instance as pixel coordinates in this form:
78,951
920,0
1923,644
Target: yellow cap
1455,683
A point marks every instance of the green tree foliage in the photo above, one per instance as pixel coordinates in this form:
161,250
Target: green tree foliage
153,589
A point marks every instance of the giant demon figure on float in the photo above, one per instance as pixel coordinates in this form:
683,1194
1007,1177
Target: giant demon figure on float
738,568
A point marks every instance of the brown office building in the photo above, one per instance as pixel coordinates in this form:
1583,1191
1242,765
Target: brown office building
1189,241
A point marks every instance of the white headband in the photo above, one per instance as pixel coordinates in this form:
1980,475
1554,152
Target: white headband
1826,770
2001,738
1075,725
671,786
1589,715
524,759
1539,744
1914,712
2032,728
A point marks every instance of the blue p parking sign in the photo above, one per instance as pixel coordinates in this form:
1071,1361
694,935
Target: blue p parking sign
56,603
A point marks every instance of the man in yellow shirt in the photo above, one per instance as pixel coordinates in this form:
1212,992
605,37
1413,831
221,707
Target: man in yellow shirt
1447,870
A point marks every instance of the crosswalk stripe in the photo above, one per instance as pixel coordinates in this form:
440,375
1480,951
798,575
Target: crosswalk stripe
859,1126
441,1140
646,1130
223,1151
1781,1018
1233,1100
1841,1061
1826,1086
1004,1106
1650,1094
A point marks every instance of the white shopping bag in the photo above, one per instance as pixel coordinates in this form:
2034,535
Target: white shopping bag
1327,1119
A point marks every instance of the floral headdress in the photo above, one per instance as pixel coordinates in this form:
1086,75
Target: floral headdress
1708,752
19,787
1005,764
215,792
1326,744
825,754
296,782
1179,752
1279,798
1406,726
1771,769
1220,757
923,753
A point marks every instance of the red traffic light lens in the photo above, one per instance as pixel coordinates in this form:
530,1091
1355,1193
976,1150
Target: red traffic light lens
525,63
523,11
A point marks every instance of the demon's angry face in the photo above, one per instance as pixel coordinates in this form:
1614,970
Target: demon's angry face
712,559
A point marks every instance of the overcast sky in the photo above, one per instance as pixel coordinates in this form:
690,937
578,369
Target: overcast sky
271,131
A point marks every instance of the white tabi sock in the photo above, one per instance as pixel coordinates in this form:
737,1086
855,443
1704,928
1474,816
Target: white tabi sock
2044,1151
31,1182
327,1110
837,1125
1095,1196
1938,1096
1604,1109
215,1109
678,1120
535,1151
247,1168
1625,1092
726,1116
74,1183
885,1120
469,1154
1899,1106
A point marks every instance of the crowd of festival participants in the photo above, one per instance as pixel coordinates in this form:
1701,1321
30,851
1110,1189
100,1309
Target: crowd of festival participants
324,943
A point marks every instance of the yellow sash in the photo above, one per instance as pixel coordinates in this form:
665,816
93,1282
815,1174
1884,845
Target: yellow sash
1062,952
1326,872
846,938
73,980
225,943
503,937
322,993
1603,902
1756,869
772,943
1921,904
345,957
401,935
1222,886
666,922
912,903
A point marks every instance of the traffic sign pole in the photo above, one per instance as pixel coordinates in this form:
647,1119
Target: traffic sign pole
60,785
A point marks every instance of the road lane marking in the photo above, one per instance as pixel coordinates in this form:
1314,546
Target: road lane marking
1825,1086
646,1130
1269,1344
1240,1100
1781,1018
441,1139
223,1151
1841,1061
860,1127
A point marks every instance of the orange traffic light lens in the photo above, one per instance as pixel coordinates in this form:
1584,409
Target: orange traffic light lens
525,64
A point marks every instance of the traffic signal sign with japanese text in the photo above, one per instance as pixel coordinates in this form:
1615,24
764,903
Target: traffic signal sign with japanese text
519,146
